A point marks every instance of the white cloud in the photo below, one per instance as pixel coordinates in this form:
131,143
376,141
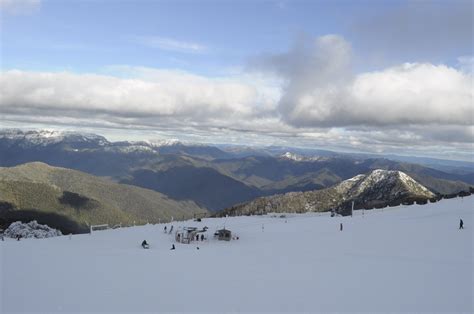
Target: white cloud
19,6
321,90
411,94
311,98
170,44
153,94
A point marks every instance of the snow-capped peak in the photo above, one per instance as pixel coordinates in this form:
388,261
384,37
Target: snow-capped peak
47,137
296,157
291,156
379,180
162,142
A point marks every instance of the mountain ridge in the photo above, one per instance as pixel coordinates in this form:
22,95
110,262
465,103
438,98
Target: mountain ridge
37,189
378,188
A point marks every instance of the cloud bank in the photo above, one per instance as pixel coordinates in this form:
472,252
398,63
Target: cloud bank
308,95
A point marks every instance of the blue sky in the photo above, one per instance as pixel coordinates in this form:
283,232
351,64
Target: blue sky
87,35
281,71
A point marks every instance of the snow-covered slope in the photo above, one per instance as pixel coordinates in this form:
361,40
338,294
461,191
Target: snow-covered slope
397,260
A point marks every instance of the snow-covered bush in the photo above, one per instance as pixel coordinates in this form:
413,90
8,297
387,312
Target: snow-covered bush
31,230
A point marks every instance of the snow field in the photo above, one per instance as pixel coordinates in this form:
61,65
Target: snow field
402,259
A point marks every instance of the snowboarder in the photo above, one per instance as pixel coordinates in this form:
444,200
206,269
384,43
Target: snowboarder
461,224
145,245
172,247
340,227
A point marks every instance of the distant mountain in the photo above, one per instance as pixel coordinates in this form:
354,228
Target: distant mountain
205,186
70,200
214,177
92,153
378,188
43,138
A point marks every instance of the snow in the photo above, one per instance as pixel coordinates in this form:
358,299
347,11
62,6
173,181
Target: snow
163,142
298,158
398,259
31,229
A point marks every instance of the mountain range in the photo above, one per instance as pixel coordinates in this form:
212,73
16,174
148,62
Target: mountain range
213,177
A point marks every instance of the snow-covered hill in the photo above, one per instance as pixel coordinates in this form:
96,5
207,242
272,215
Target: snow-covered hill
377,188
399,259
384,184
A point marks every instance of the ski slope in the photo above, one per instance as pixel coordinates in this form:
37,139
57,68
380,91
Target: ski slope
400,259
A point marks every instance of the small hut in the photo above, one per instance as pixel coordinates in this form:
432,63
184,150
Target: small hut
188,234
224,234
185,235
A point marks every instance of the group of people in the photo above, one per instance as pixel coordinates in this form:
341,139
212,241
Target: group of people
202,237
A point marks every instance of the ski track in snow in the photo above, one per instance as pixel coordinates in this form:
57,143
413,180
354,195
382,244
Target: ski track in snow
401,259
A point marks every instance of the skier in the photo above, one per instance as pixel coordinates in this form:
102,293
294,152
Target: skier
461,224
171,229
172,247
145,245
166,228
202,237
197,237
340,227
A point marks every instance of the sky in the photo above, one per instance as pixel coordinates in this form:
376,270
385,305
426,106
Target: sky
357,76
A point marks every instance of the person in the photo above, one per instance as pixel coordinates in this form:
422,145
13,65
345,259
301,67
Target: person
171,229
172,247
145,244
197,237
166,228
340,227
202,237
461,224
